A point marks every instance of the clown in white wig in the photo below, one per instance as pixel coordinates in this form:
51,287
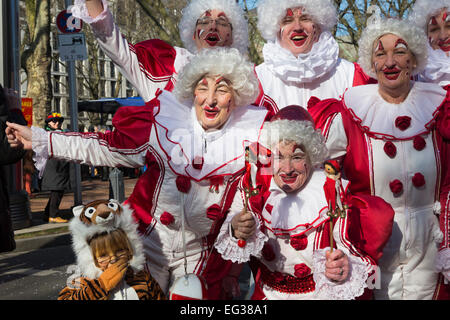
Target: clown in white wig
301,57
193,142
391,137
290,236
153,64
434,18
109,255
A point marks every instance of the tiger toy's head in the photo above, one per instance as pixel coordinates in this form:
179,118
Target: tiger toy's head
98,217
99,212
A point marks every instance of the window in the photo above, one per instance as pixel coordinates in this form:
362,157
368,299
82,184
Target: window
56,84
113,69
113,88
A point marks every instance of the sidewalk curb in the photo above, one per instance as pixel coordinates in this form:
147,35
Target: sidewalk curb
40,242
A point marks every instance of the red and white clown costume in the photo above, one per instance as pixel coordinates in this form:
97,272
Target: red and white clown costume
287,251
153,64
398,152
190,170
423,14
287,79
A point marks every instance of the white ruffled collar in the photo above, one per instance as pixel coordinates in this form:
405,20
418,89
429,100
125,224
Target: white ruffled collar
306,67
437,69
377,117
183,140
294,214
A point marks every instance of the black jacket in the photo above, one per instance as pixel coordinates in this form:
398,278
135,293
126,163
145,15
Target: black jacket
8,156
56,174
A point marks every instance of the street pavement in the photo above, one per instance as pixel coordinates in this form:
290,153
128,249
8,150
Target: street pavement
43,234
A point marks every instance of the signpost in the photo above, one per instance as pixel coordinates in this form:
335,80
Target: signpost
67,23
72,46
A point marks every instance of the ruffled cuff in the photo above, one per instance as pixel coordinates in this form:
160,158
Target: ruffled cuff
442,263
227,245
349,289
40,148
80,11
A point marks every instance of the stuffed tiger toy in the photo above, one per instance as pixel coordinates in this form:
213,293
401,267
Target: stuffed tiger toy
99,212
97,217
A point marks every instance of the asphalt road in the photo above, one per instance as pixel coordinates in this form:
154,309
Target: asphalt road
41,274
35,275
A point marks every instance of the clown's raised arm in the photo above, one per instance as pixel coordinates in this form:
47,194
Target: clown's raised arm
153,64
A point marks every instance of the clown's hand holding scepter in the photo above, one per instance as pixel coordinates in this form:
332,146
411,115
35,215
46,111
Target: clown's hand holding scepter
243,225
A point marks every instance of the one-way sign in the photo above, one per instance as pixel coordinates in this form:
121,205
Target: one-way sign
72,46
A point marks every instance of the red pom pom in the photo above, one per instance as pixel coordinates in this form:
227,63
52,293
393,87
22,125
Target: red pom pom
418,180
241,243
197,162
183,184
214,212
301,270
419,143
396,186
299,242
390,149
403,122
166,218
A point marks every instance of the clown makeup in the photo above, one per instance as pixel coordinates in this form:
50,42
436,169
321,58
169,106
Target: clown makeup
393,64
291,166
438,31
213,29
213,101
298,32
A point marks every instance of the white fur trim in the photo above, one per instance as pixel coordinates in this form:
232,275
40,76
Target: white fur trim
81,233
378,26
234,13
271,12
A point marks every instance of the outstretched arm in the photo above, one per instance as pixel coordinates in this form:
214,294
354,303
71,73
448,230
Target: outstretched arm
148,65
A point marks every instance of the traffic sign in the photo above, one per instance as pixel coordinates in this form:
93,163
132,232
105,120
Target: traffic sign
72,47
67,23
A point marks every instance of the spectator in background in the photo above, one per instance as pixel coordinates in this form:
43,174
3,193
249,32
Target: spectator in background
434,18
56,175
9,111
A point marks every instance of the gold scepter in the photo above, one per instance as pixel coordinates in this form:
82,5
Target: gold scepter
248,191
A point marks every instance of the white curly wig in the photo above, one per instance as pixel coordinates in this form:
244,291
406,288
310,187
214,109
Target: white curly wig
271,12
423,10
300,132
378,26
228,63
196,8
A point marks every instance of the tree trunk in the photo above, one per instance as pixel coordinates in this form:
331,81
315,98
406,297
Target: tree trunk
36,60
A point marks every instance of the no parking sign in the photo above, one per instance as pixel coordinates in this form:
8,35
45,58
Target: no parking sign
67,23
71,42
